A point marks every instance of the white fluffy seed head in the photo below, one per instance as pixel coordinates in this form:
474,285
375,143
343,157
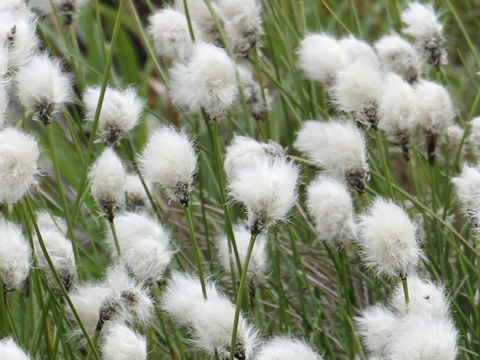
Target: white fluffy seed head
474,136
212,328
423,25
258,261
320,57
147,259
357,49
398,109
171,35
17,30
15,255
252,91
358,90
207,80
243,151
43,87
47,221
67,9
243,24
182,294
11,351
13,5
107,177
170,161
120,113
330,204
87,300
122,343
337,146
201,16
435,108
19,155
284,348
133,301
268,190
467,188
424,337
388,239
61,253
398,55
136,194
426,298
455,135
376,326
145,245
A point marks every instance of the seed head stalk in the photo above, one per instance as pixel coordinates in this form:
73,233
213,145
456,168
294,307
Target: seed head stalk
241,291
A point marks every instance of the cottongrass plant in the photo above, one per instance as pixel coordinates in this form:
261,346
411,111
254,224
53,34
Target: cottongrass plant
11,351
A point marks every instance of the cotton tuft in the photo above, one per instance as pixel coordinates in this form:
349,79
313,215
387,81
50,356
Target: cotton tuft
268,190
398,111
424,337
67,9
19,153
284,348
257,266
435,112
376,326
423,25
320,57
356,49
426,298
43,87
170,161
107,177
120,113
474,136
136,194
337,146
122,343
11,351
243,24
257,105
15,256
171,35
61,254
398,55
207,80
358,90
330,204
388,239
18,32
467,189
145,246
243,151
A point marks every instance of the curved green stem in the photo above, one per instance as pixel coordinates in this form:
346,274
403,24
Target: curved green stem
196,250
241,291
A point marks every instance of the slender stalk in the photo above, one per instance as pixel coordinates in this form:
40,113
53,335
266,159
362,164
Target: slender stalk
111,222
93,133
58,279
96,336
196,250
61,190
241,291
405,289
3,310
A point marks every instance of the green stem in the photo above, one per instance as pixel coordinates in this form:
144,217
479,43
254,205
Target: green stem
3,311
405,289
196,250
93,133
111,222
63,197
58,279
96,336
241,291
